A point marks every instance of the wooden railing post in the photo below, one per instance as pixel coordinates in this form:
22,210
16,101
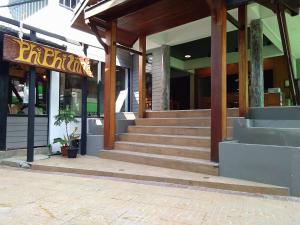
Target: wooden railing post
218,76
243,62
110,88
142,76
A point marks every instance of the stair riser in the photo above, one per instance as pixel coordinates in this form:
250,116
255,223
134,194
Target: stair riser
204,132
195,154
172,164
203,122
185,114
193,142
170,131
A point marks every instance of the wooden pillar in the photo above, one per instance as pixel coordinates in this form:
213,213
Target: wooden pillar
218,76
84,111
142,76
110,88
243,62
257,72
294,87
4,83
31,108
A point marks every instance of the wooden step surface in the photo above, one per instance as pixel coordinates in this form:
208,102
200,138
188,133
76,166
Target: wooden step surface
172,162
174,130
172,150
192,122
191,141
187,113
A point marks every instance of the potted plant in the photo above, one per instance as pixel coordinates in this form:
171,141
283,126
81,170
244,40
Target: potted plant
65,117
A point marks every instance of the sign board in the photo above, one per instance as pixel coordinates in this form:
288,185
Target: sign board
34,54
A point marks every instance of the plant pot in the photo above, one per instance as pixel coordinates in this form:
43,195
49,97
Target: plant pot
72,152
64,150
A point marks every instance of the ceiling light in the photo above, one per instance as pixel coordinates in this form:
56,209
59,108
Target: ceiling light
187,56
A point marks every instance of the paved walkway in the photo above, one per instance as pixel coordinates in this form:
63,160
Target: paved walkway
37,198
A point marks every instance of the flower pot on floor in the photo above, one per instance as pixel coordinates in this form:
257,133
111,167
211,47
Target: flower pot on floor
72,152
64,150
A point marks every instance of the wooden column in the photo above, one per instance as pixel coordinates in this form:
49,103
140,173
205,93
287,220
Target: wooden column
142,76
257,72
243,62
218,76
4,83
294,87
110,88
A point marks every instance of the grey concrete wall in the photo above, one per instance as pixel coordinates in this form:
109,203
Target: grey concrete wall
16,134
277,165
95,137
246,131
275,113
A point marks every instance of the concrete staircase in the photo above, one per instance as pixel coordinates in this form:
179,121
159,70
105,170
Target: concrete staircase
171,139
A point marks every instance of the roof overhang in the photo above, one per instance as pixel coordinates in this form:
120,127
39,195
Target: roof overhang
146,17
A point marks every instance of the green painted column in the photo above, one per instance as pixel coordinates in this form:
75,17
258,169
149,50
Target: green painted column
256,91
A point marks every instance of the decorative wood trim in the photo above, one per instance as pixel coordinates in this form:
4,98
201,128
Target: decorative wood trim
142,76
218,76
110,88
243,62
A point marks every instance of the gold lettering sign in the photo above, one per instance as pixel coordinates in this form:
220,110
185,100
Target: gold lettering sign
27,52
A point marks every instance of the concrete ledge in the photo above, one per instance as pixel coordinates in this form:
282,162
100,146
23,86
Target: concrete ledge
275,113
276,165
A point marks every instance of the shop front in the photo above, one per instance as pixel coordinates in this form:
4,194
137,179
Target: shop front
25,81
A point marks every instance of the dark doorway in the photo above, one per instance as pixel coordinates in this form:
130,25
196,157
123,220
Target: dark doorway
179,90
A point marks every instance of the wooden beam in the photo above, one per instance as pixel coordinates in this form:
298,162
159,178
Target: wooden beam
218,76
233,21
94,28
294,88
110,88
142,76
243,62
129,49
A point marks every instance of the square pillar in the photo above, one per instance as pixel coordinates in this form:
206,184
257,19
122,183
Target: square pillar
218,75
110,88
243,62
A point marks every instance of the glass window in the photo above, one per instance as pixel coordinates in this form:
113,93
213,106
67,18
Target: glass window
69,3
70,92
19,91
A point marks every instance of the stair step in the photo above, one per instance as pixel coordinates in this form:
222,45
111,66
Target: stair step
172,150
190,141
89,165
192,122
170,130
186,113
174,130
172,162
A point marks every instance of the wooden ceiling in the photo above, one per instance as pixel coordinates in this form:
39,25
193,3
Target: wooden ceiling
146,17
136,17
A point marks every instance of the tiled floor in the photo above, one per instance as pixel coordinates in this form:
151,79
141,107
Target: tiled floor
37,198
